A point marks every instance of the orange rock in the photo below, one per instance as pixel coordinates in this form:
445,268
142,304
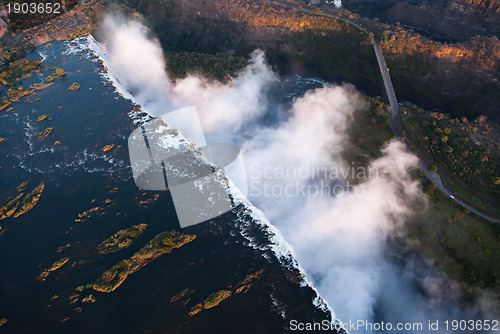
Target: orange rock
108,148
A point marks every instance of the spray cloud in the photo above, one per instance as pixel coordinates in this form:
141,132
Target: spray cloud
340,239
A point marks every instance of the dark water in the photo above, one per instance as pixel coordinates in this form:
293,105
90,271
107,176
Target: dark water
78,176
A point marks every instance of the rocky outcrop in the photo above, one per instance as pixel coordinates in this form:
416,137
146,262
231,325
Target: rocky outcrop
44,134
120,240
97,211
42,118
162,244
55,266
211,301
11,207
8,209
89,299
112,278
58,264
215,298
30,200
74,86
57,74
38,86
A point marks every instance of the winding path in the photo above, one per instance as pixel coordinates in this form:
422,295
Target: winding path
394,114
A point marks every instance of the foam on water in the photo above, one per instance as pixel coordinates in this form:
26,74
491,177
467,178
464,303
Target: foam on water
99,51
30,133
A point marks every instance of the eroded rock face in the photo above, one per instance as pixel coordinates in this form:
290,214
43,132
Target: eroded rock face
452,20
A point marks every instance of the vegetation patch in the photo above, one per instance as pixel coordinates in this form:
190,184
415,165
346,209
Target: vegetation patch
4,103
21,21
17,70
369,132
57,74
11,206
39,86
112,278
215,298
8,209
468,151
458,78
219,66
55,266
58,264
161,244
14,53
30,200
17,93
89,299
464,245
120,240
219,46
